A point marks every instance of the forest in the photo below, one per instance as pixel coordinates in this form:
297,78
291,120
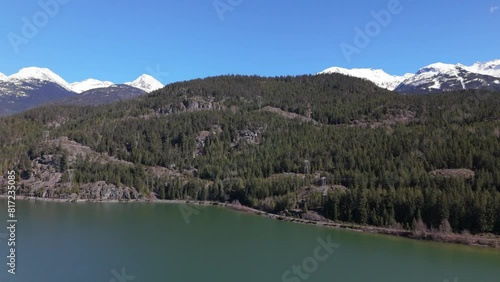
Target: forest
334,145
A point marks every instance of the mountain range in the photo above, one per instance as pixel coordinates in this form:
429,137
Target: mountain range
34,86
438,77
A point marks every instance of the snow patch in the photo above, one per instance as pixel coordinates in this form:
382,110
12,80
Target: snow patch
461,79
437,85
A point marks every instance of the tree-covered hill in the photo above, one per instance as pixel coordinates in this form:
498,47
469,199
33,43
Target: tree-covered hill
328,144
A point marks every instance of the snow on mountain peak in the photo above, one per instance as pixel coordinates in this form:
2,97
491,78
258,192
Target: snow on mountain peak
377,76
146,82
440,76
440,68
491,68
42,74
89,84
433,75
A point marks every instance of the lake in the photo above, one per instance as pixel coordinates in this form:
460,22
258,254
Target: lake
110,242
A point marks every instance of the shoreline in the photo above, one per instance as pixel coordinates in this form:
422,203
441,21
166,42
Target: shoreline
452,238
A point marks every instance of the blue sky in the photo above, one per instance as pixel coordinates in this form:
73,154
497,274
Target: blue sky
120,40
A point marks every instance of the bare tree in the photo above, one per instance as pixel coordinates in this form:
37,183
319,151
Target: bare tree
445,227
420,228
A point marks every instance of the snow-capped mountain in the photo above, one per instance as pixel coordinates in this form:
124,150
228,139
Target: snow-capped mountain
34,86
433,76
377,76
441,77
491,68
146,82
29,80
436,77
89,84
17,95
36,75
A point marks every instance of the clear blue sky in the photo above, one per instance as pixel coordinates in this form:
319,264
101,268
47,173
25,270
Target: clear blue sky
119,40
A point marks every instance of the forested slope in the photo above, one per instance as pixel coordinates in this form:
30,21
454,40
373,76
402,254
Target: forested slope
235,138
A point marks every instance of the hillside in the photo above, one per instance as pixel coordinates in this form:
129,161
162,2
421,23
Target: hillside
101,96
372,155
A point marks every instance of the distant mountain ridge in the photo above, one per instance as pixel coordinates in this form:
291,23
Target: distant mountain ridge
89,84
33,86
377,76
441,77
144,82
438,77
491,68
101,96
33,74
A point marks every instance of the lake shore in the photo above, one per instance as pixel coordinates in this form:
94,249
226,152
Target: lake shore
490,241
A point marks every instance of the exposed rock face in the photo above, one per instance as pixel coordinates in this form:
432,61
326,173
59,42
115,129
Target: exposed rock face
192,104
44,179
76,150
101,191
201,139
251,136
289,115
462,172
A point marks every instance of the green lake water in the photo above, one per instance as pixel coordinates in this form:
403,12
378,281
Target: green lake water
109,242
